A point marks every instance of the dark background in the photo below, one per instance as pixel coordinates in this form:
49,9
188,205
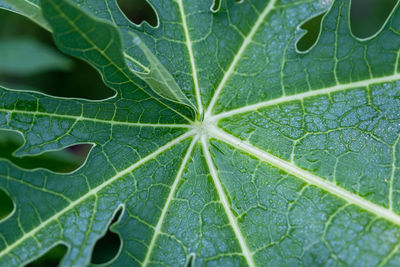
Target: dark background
367,17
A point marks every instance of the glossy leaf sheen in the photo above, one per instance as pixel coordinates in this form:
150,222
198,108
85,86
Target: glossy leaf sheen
294,159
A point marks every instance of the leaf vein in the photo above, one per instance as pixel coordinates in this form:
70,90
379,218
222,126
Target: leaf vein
191,56
306,176
238,56
81,118
300,96
172,192
232,220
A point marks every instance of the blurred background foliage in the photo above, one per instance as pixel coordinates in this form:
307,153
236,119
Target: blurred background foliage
29,60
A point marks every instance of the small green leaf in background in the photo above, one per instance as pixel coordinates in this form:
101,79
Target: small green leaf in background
157,76
23,57
27,8
6,205
60,161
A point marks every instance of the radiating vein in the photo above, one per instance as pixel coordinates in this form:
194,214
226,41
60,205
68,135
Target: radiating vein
232,220
394,159
239,55
82,118
94,191
306,176
336,88
168,202
191,56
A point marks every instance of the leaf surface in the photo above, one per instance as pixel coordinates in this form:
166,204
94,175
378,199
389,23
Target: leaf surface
291,158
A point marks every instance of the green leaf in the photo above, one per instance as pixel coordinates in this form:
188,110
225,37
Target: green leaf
61,161
77,34
21,57
292,158
158,77
28,8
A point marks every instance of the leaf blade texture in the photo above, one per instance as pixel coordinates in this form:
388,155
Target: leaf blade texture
291,159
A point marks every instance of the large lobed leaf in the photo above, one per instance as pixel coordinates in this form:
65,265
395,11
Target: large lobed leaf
291,159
